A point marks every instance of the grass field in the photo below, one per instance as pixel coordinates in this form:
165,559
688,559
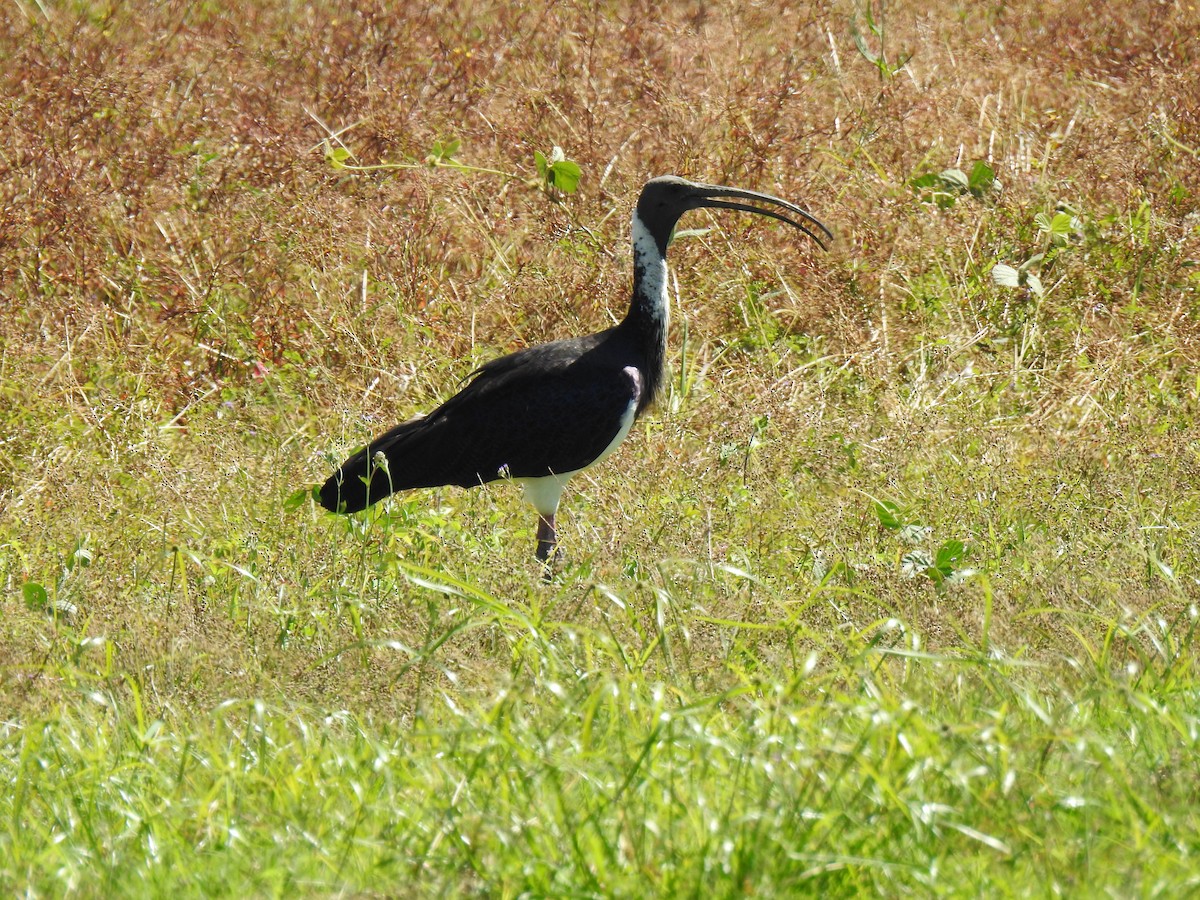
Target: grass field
894,593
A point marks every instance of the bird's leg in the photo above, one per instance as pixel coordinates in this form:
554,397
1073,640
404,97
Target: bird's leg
547,540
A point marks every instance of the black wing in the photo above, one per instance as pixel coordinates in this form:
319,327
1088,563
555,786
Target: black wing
549,409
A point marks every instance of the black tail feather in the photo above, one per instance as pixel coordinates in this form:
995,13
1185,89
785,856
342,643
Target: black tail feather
377,470
348,491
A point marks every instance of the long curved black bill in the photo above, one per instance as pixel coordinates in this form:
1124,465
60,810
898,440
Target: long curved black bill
708,195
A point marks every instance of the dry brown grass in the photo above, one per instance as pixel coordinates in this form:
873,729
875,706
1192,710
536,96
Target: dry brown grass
111,211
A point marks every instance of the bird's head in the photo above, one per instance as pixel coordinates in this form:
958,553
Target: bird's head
666,198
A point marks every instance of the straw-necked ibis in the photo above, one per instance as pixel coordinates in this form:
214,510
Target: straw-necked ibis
541,415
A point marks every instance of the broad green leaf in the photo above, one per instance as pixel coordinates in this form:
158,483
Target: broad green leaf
1058,228
1063,223
442,152
1063,227
81,556
35,595
1005,275
946,186
950,553
954,178
982,178
297,498
931,188
924,182
565,175
337,157
915,562
888,514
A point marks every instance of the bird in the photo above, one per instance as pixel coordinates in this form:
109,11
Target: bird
545,413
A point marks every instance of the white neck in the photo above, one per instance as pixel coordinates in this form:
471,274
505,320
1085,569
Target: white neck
651,267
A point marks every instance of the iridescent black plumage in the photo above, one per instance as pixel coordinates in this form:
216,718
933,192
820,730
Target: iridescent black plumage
541,414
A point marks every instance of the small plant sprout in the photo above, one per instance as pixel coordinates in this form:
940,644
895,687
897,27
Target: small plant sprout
944,188
443,154
888,69
1005,275
557,173
942,566
1059,231
59,604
